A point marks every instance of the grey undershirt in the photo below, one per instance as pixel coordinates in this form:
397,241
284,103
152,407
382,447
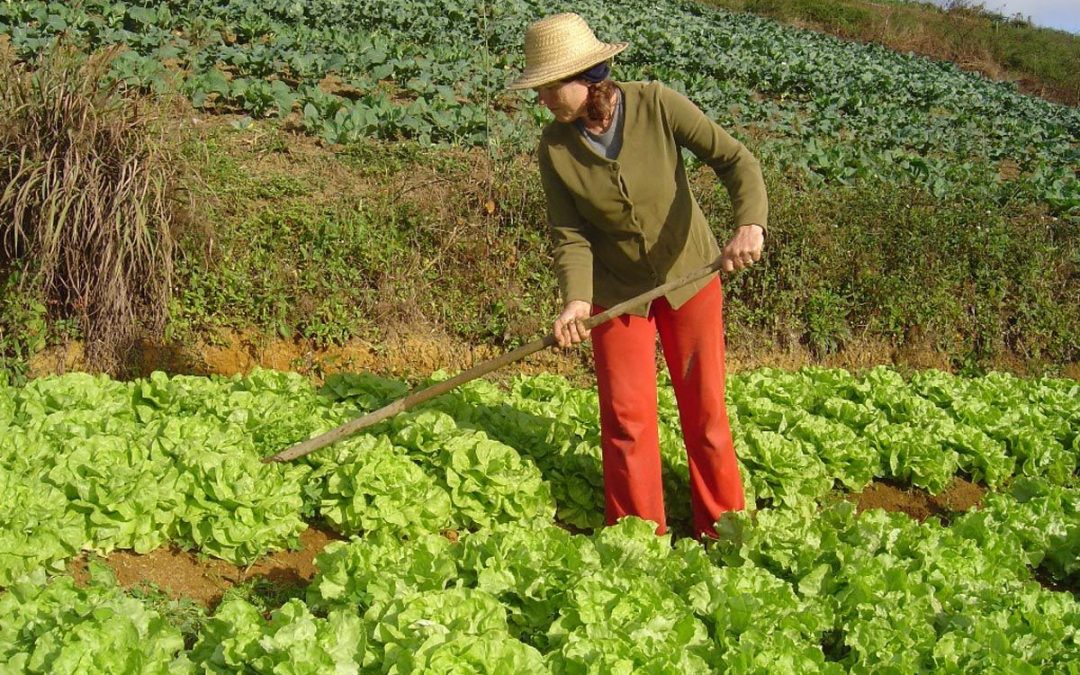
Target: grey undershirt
608,143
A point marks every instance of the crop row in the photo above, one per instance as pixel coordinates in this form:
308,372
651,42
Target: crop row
801,434
787,590
91,463
435,71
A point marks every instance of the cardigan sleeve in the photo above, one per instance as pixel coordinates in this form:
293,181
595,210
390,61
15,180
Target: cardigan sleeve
734,165
571,247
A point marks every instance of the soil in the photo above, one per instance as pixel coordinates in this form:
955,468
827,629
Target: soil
1051,584
962,495
185,574
414,354
409,356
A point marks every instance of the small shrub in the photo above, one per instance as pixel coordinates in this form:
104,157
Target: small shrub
826,322
22,329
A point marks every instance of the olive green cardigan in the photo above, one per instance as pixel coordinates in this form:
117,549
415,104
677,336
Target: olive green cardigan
622,227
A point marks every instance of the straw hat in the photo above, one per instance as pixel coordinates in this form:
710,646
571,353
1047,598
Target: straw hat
560,46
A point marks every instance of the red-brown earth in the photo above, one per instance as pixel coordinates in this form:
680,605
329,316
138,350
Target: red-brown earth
187,574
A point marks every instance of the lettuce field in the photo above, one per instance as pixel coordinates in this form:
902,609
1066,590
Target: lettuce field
470,531
472,538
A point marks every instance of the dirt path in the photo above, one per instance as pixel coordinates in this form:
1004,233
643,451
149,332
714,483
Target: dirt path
186,574
960,496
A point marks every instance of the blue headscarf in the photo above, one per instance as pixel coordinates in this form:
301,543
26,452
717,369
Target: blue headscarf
596,74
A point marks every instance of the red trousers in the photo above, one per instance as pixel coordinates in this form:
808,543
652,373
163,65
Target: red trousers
692,338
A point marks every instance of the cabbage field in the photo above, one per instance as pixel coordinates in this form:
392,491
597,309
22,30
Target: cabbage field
471,543
435,71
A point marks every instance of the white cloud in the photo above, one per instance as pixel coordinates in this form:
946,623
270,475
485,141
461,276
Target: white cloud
1060,14
1063,14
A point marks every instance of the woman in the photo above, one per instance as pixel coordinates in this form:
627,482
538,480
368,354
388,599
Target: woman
623,221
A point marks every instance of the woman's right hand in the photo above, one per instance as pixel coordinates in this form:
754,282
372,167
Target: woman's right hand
570,326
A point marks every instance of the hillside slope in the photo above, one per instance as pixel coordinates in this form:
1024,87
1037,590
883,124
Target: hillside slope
1040,61
904,190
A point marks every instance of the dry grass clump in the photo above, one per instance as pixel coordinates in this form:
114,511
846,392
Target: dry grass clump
87,186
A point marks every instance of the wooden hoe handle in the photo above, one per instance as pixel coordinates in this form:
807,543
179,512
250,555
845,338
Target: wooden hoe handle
420,396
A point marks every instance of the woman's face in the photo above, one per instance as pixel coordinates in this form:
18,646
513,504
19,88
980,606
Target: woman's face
565,100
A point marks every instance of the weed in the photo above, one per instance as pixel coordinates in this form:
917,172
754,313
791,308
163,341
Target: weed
468,252
826,322
184,614
266,594
23,329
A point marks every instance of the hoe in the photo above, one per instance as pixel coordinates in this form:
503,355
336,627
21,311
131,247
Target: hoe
421,395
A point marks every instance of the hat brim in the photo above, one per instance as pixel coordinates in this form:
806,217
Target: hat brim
553,72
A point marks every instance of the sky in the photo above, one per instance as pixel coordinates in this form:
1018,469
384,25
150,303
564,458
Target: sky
1060,14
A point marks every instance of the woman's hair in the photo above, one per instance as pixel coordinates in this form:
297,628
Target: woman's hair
599,106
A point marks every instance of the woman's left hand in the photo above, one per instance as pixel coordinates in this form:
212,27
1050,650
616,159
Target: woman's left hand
744,249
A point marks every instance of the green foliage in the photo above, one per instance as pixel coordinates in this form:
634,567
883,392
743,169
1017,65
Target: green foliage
23,328
957,599
811,587
964,32
338,267
292,640
56,627
95,464
431,72
264,593
835,15
785,590
821,591
874,261
100,464
826,322
184,614
858,256
299,271
372,486
380,570
1037,517
892,262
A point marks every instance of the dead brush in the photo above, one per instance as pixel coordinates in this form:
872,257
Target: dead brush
87,198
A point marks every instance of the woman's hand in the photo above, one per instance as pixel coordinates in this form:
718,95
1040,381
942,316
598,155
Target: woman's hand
744,249
569,327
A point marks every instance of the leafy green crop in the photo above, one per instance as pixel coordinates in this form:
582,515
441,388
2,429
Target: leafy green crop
457,562
293,640
88,463
909,596
57,627
787,590
1036,517
435,71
